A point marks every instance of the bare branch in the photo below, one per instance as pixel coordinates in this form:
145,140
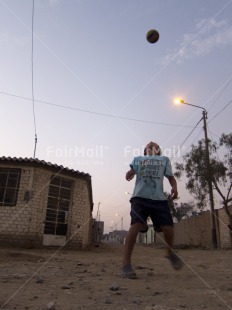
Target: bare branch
219,191
228,194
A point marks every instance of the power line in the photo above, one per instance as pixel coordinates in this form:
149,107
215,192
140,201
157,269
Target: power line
220,91
187,138
199,133
96,113
214,134
194,140
32,73
220,111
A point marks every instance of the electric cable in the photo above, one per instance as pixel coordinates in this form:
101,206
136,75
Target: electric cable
96,113
220,111
220,91
32,74
186,138
199,133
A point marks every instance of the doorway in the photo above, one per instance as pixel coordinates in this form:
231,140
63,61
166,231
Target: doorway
56,222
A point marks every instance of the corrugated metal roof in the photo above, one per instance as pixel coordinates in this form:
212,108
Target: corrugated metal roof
37,162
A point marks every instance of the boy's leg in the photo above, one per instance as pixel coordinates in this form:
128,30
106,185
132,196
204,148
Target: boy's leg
168,232
130,242
138,218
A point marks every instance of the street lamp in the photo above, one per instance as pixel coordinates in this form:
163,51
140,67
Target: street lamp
209,173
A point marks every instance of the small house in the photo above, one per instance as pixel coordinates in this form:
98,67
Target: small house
44,204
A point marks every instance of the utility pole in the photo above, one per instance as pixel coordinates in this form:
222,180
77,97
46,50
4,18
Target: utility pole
209,173
98,223
209,180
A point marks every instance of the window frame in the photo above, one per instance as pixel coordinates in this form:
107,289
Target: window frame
9,185
58,204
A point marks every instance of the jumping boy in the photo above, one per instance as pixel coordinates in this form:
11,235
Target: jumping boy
148,199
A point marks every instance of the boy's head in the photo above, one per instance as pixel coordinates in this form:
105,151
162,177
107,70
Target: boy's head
152,148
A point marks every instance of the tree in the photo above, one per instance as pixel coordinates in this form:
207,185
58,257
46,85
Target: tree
195,169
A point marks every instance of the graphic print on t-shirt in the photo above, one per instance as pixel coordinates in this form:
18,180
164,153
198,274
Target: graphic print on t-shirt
149,171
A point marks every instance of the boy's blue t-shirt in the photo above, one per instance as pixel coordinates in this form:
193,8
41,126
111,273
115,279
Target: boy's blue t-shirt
150,172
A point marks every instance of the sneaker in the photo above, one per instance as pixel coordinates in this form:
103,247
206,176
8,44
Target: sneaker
176,262
128,272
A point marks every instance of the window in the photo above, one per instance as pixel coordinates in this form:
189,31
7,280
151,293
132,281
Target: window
9,186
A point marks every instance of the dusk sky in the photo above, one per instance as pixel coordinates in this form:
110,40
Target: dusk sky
102,92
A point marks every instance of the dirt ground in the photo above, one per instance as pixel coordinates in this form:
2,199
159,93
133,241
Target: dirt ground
90,279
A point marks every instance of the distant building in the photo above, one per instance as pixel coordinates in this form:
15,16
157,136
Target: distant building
148,237
116,236
43,204
97,231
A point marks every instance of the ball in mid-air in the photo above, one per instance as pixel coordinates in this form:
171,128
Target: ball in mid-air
152,36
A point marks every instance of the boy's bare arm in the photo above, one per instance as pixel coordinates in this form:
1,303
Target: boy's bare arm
174,191
130,174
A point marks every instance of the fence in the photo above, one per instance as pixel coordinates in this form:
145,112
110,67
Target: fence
196,231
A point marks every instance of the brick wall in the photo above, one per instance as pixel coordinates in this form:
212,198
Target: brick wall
23,224
78,227
196,231
223,229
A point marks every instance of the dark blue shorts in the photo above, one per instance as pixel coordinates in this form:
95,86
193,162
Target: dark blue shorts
157,210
